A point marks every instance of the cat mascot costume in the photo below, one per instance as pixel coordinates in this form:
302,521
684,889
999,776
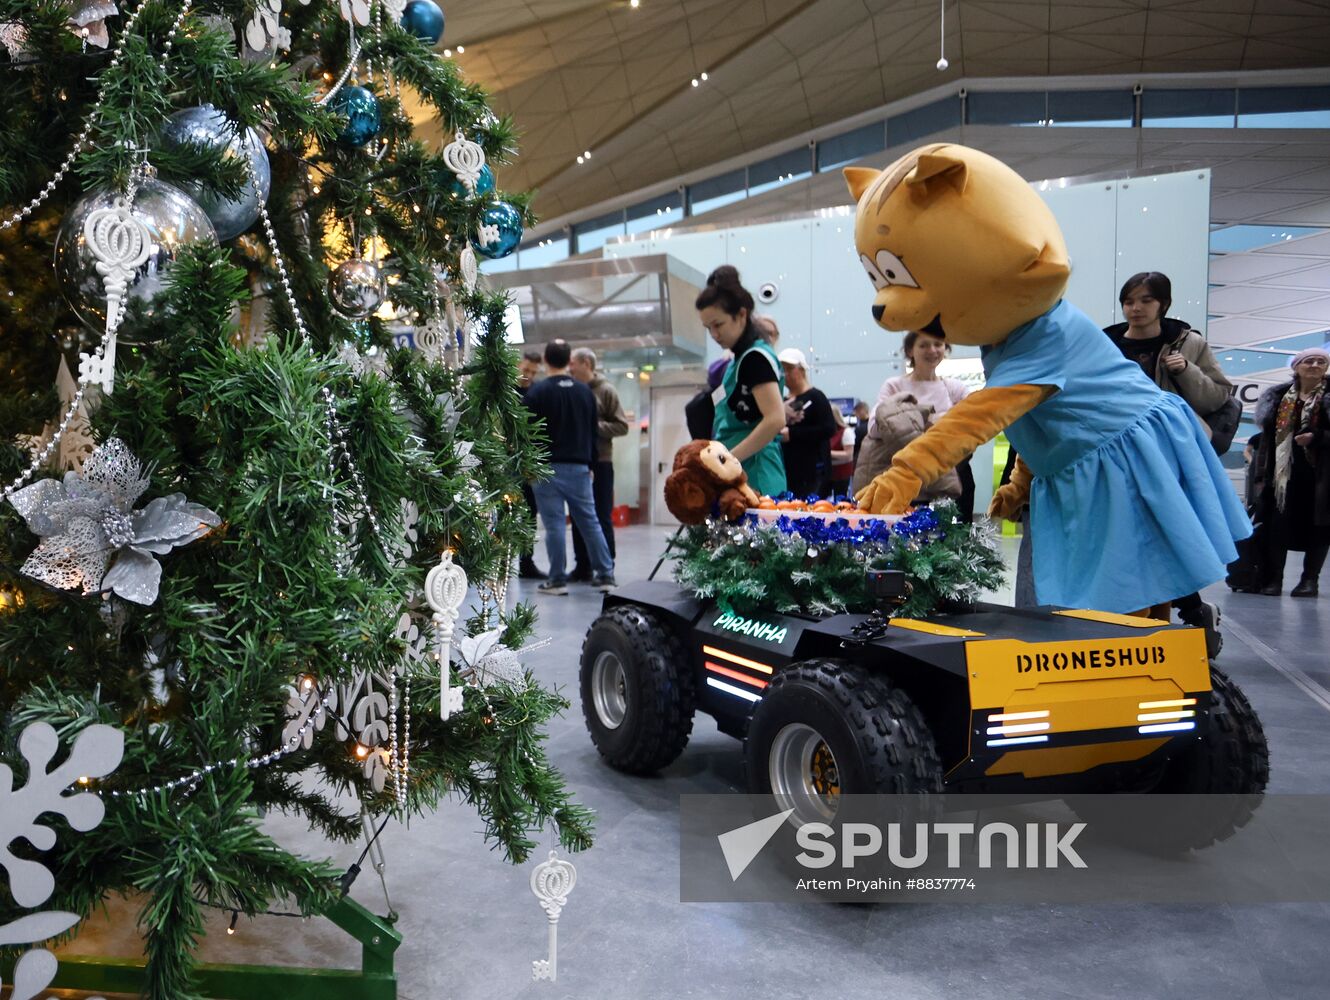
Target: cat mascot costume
1129,507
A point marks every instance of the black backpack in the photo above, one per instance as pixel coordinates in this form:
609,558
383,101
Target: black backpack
1223,424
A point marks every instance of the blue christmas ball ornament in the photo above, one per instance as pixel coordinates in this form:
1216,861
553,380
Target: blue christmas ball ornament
424,19
484,185
361,109
499,232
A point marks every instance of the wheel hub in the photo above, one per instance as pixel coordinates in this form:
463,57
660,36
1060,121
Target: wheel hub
609,689
803,772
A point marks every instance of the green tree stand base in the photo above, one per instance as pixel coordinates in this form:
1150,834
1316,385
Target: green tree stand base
376,979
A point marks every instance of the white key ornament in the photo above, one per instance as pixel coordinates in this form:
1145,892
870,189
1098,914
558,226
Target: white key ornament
465,159
445,589
467,266
552,881
120,243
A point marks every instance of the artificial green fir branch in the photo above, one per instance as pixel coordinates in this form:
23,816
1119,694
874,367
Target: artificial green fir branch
752,568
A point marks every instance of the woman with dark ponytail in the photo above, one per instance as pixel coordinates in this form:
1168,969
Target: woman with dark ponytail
750,408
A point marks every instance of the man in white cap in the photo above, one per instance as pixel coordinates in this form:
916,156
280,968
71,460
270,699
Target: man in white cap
809,425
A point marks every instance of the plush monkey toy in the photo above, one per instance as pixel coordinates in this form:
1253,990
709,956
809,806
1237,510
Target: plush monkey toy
706,473
1129,507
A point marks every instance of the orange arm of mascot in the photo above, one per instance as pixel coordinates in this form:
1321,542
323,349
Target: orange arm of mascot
960,247
979,417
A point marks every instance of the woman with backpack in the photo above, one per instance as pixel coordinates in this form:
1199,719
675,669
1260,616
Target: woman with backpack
1178,360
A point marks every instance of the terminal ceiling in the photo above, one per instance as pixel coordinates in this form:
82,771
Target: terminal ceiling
616,80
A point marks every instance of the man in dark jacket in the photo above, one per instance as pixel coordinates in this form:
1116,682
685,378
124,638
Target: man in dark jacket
611,422
568,410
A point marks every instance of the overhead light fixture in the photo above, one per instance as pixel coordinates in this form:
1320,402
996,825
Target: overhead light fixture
587,154
461,49
694,81
634,4
581,159
447,53
704,76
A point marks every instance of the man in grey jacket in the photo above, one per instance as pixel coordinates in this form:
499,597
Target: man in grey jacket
611,422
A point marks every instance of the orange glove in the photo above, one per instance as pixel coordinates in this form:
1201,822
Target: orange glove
1015,494
977,418
890,493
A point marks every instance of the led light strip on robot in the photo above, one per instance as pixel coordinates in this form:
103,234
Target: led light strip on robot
729,672
1167,716
1009,724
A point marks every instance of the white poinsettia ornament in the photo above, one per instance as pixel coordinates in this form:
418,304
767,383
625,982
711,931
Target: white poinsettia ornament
490,661
92,539
87,19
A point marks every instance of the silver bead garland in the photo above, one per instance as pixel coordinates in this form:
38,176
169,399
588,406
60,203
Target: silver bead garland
252,763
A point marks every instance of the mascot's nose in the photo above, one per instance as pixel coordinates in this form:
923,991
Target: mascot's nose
878,311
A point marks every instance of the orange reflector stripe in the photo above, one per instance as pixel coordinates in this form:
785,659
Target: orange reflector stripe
713,651
726,671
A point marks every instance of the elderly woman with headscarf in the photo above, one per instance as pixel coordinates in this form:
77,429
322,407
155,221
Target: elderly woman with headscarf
1292,471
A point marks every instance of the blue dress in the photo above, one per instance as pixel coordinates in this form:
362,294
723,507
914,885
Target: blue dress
1129,506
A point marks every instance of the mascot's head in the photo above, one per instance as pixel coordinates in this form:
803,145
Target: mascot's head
713,458
956,244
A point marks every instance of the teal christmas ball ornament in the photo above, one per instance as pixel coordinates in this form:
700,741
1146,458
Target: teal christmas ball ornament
361,109
484,186
424,19
499,232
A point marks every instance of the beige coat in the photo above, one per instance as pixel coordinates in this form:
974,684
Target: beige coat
1202,383
611,421
900,419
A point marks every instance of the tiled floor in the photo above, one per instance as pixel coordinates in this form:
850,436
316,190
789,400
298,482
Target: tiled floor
472,926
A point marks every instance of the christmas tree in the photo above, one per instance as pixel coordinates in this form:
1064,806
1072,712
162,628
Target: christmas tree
223,487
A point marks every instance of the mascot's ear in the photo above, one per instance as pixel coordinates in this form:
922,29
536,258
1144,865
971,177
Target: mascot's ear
934,169
1049,265
860,179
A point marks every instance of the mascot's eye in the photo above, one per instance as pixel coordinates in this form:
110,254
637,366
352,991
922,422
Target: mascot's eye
874,275
894,270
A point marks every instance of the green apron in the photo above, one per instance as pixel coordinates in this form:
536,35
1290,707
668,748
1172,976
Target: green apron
766,468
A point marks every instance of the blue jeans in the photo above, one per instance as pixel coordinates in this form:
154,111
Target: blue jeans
570,485
602,491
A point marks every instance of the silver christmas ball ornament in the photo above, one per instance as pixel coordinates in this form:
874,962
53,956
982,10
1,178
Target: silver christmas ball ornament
173,221
356,288
206,126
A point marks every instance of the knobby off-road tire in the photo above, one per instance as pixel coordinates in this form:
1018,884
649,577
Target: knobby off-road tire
826,728
1231,759
638,694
